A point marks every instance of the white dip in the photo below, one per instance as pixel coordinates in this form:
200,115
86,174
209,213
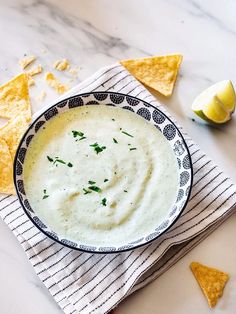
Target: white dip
132,168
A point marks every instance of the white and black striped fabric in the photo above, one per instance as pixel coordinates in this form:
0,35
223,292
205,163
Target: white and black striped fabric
90,283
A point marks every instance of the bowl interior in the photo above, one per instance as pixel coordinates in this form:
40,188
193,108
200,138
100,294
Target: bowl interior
148,112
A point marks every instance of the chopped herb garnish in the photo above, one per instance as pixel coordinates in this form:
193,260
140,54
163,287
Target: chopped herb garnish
193,119
86,191
98,149
113,119
127,133
45,194
91,182
105,180
129,144
57,160
114,172
115,141
78,134
94,145
104,202
125,191
133,148
95,188
50,159
60,161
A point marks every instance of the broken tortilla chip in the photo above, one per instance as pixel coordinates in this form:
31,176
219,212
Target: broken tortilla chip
55,83
13,131
6,171
158,72
14,98
212,281
26,61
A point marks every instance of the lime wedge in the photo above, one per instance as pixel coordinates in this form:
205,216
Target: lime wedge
216,103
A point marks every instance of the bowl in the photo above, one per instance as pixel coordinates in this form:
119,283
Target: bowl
152,114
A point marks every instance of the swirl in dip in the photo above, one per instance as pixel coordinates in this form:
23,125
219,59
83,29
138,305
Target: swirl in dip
100,175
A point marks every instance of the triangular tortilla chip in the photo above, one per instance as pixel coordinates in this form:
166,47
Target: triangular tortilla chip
6,173
14,98
12,132
157,72
212,281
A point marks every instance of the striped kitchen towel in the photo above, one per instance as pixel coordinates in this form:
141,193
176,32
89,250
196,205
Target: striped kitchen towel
93,283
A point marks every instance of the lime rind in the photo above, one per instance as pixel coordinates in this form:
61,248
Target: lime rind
217,103
227,96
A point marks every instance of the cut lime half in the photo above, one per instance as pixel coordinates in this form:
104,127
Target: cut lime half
216,103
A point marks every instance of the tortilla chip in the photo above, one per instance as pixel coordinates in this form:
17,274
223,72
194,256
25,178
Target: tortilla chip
212,281
159,72
13,131
14,98
36,70
26,61
61,65
6,171
55,83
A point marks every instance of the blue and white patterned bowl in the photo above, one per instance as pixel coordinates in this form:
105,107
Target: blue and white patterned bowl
138,106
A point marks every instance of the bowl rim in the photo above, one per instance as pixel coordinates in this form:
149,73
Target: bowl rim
134,247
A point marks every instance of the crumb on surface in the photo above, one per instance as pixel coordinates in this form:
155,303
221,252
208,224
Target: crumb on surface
74,71
41,96
55,83
26,61
36,70
31,81
61,65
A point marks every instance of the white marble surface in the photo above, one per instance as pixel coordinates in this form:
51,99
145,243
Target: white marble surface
96,33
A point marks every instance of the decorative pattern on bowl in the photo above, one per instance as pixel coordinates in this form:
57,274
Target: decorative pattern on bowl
138,106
